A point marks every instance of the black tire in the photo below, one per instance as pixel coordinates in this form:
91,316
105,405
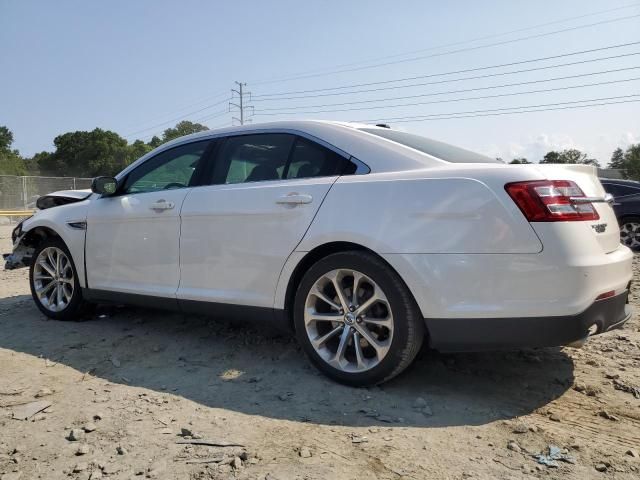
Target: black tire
77,307
623,235
408,324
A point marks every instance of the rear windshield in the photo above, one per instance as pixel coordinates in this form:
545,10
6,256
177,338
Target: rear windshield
437,149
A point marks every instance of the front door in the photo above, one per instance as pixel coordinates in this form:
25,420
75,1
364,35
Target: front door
133,237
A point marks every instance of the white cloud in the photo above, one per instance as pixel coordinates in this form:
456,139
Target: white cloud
628,138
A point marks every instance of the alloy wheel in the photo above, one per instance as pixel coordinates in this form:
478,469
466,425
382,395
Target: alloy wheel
630,234
348,320
53,279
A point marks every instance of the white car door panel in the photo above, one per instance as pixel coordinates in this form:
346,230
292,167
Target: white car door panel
133,237
236,238
133,242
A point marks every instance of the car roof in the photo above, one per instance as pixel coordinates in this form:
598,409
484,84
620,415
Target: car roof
347,138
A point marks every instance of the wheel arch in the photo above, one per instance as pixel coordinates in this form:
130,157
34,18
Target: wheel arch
37,234
313,256
628,216
72,239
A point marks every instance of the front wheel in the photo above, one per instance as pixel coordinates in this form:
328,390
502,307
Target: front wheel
54,281
356,319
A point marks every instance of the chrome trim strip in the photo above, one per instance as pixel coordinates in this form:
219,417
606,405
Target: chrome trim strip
210,135
608,198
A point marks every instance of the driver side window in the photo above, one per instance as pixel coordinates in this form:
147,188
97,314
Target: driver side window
173,168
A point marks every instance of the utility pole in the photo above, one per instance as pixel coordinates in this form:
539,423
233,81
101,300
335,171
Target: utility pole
241,105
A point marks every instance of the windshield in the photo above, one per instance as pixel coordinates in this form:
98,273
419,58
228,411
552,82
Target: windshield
441,150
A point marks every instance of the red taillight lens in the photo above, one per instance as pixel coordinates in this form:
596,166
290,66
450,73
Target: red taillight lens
550,201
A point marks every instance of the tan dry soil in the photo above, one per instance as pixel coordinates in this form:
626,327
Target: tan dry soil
141,376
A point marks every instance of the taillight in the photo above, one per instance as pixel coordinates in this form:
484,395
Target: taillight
551,201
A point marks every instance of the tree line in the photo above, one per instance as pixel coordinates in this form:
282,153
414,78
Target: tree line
627,161
85,153
103,152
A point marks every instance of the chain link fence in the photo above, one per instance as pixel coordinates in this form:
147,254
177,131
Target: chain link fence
21,193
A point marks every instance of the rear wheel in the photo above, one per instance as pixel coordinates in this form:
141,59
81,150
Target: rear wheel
630,232
54,281
356,319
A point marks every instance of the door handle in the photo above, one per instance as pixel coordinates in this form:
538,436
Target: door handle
294,199
162,205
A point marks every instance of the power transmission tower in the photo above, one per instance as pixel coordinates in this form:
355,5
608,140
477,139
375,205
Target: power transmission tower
242,103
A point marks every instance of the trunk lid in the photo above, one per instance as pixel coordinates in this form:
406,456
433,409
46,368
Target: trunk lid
605,229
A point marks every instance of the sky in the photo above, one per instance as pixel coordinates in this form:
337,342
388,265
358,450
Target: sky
138,67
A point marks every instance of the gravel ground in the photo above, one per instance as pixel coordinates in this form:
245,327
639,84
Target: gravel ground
120,394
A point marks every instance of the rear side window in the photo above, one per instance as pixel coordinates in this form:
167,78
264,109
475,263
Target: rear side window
309,159
255,158
276,156
441,150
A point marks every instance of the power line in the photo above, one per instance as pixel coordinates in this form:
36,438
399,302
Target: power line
242,107
200,119
184,107
484,97
438,82
486,37
472,112
175,119
466,70
212,116
451,52
504,85
518,112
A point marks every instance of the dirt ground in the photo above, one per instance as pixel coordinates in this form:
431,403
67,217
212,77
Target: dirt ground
119,392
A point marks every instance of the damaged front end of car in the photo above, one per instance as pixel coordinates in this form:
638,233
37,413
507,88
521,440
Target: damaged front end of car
22,250
26,241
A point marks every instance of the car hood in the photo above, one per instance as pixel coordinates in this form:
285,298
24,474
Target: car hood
63,197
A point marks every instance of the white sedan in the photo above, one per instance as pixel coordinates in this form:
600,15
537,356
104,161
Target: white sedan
365,240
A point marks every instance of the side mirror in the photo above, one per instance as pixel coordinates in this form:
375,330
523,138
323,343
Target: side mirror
104,185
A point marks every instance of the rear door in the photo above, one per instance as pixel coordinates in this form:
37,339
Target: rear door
238,232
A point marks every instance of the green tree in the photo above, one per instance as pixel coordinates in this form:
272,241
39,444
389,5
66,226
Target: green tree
155,142
617,158
86,154
137,149
183,128
569,156
6,138
632,162
519,160
11,163
573,155
33,163
551,157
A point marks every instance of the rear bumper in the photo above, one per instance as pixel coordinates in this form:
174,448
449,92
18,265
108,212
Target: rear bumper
553,283
477,334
